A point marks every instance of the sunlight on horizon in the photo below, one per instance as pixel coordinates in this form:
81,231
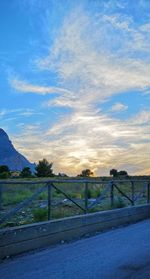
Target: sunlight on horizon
75,83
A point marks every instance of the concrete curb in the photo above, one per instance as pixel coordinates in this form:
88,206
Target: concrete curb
21,239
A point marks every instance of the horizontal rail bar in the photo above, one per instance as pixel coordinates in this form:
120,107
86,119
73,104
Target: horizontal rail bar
53,181
69,181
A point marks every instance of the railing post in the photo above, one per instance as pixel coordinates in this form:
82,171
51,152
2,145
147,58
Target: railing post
49,200
1,199
148,192
112,194
86,197
133,192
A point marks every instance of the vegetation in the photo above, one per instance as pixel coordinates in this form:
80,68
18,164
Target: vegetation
86,173
113,172
26,173
116,173
123,172
12,198
44,169
92,193
4,175
61,206
4,168
4,172
40,214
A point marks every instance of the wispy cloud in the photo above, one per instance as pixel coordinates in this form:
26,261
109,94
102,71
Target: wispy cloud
119,107
25,87
96,72
95,57
26,112
141,118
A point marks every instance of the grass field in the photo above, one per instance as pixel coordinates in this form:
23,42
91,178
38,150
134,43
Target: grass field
37,210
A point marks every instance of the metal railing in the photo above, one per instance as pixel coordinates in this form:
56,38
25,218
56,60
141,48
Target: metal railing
110,189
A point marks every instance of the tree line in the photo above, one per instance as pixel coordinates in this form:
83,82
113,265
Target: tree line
116,173
44,169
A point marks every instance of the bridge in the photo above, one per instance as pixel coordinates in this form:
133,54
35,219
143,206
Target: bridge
91,245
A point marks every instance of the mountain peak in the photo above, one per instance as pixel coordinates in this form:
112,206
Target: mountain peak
10,156
3,133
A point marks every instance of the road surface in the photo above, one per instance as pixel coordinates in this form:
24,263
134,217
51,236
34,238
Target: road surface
122,253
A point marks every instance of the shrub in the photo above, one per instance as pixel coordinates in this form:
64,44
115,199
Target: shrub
40,214
4,175
4,168
96,193
26,172
119,203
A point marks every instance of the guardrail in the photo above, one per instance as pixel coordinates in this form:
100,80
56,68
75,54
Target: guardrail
109,190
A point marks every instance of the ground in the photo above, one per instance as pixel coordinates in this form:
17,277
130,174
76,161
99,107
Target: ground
122,253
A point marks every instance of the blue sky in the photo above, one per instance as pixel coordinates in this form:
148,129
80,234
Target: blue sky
75,82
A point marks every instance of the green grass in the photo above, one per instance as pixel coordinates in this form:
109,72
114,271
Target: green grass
12,199
14,194
40,214
43,196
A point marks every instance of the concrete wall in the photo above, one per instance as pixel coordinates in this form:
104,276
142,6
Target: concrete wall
21,239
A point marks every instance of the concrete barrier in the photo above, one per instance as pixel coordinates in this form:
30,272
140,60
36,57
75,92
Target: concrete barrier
25,238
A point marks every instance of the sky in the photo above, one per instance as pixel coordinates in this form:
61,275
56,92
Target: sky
75,83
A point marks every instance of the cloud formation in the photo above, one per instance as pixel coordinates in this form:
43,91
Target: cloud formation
96,57
119,107
25,87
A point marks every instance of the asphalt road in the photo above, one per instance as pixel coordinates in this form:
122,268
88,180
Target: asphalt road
117,254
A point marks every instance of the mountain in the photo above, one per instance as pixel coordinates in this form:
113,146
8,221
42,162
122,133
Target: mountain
10,156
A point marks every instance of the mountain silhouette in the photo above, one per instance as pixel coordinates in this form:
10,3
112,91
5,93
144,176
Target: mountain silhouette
10,156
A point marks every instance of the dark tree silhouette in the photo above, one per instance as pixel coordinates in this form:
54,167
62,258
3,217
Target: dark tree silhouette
4,172
113,172
122,172
26,172
4,168
44,169
86,173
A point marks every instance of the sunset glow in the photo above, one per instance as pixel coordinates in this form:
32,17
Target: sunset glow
75,83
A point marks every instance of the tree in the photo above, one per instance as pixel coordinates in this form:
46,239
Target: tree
4,175
113,172
87,173
4,168
4,172
26,172
123,172
61,174
44,169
